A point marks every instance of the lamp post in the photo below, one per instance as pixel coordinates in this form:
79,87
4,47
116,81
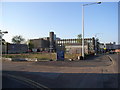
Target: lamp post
83,25
1,35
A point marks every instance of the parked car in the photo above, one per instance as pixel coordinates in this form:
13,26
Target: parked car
111,52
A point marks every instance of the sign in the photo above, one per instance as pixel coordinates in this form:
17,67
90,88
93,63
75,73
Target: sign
60,55
104,48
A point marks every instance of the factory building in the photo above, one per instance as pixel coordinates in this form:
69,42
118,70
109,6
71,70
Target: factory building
53,44
44,44
75,45
75,49
41,44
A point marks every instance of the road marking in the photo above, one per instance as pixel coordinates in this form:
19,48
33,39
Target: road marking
31,82
111,59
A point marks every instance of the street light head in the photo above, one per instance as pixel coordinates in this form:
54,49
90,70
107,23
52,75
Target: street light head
5,32
98,2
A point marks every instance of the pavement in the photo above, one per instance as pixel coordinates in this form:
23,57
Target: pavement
99,72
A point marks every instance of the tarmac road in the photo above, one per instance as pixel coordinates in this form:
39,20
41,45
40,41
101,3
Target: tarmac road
12,81
65,77
9,82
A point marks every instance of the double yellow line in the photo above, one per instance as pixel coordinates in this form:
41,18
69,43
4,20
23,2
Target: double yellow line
27,81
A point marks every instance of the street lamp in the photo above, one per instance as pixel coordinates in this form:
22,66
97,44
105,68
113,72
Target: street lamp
83,25
1,35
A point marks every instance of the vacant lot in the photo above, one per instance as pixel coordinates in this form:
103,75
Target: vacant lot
41,56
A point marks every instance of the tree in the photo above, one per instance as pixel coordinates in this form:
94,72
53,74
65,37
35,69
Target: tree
30,44
3,41
18,39
79,37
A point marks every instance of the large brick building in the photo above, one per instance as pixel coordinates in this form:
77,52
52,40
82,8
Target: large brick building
53,44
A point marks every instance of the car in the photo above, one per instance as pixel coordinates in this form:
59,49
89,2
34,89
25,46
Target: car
111,52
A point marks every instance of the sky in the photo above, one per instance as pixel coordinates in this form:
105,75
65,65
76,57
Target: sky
35,20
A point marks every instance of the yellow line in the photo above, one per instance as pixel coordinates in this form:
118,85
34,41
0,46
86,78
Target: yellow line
28,81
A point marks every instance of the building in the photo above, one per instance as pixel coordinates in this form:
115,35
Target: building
53,44
41,44
75,45
44,44
117,46
101,48
110,46
76,49
17,48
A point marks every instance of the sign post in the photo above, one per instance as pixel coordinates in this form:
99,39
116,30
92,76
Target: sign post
104,50
60,56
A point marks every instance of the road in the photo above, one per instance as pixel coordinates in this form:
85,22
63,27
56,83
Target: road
12,81
100,72
9,82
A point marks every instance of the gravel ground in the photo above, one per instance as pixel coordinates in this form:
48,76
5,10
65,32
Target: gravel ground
82,66
90,62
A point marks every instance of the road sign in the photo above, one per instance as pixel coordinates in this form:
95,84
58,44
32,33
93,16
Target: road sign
60,55
104,48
